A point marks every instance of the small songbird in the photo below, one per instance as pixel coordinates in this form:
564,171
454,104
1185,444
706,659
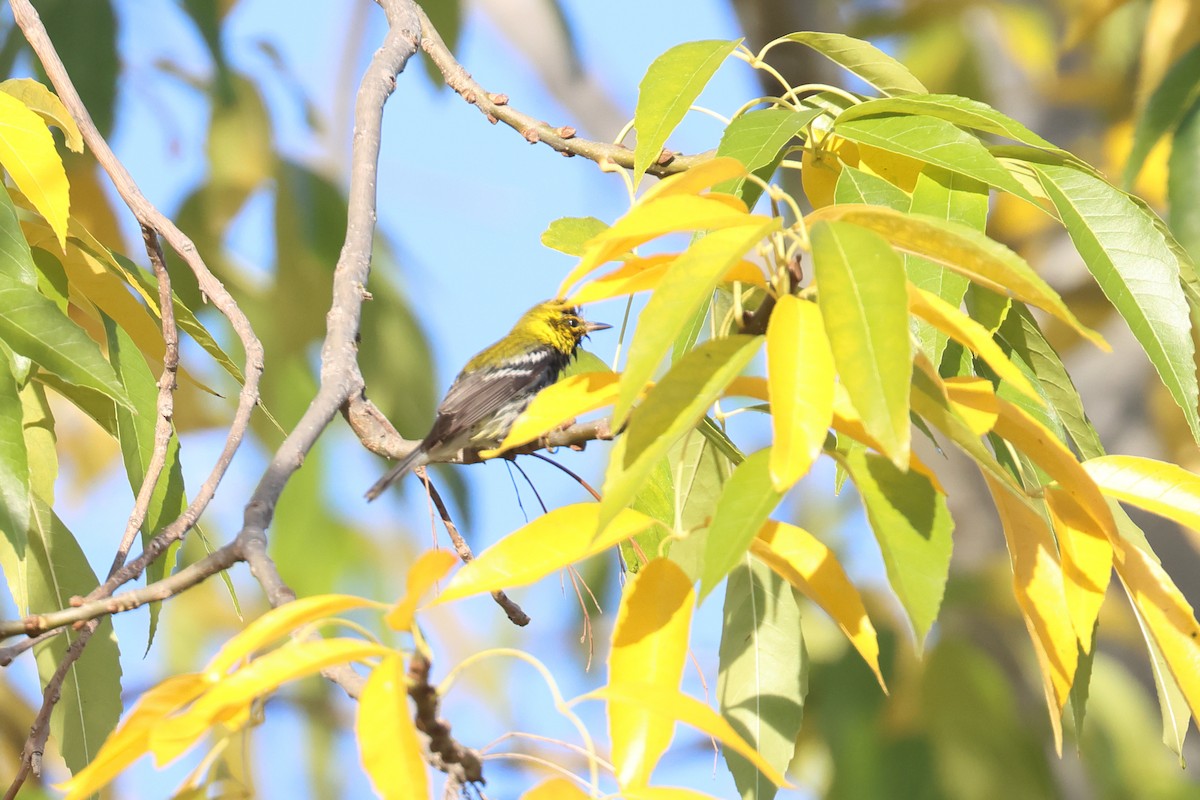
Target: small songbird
497,385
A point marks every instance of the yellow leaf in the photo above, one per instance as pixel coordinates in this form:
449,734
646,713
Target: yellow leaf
969,333
649,645
664,793
900,171
558,403
131,740
820,168
1169,616
229,697
806,563
646,221
980,415
1087,562
427,570
1038,586
704,175
1040,444
279,622
643,275
556,789
387,738
1156,486
801,376
846,421
27,153
548,543
690,711
47,105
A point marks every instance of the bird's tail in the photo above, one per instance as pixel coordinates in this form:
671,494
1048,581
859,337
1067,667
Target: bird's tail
410,461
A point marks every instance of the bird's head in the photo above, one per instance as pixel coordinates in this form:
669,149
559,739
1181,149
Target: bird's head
557,324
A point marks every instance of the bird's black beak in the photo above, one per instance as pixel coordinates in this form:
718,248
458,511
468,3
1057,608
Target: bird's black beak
591,327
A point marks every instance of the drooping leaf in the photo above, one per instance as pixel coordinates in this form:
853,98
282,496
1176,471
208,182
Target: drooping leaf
1162,488
46,104
1087,563
762,675
28,155
746,501
671,84
387,738
863,59
912,525
862,300
424,573
14,485
1165,109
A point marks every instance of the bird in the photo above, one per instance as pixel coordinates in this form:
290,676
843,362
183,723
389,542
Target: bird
497,384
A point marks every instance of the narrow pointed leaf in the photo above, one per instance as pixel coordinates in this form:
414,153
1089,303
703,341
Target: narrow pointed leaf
1156,486
863,59
387,738
427,570
746,501
1087,563
16,261
28,155
855,186
1164,110
758,139
46,104
569,398
14,484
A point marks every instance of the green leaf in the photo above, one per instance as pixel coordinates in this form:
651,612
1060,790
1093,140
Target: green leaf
855,186
670,410
670,86
135,432
1168,104
38,421
91,694
863,59
758,139
960,111
1183,176
945,195
1137,270
32,325
745,504
762,676
913,527
14,482
570,234
933,141
864,304
16,261
687,286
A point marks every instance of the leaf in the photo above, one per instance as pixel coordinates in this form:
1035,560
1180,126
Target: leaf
758,140
969,333
1164,110
863,59
90,702
961,111
670,86
556,789
1038,586
15,487
861,294
1087,563
746,501
387,738
912,525
548,543
1159,487
570,235
688,710
687,285
649,646
644,274
1134,265
705,175
32,325
855,186
964,250
16,261
46,104
648,220
277,623
567,399
800,373
763,672
425,572
27,153
1183,175
670,410
807,564
932,141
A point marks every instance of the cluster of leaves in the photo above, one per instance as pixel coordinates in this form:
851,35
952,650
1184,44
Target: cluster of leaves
875,346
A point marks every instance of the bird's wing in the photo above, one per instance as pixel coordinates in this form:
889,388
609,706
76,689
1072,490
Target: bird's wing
475,397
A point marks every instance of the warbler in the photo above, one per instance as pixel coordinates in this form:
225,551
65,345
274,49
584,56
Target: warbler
497,385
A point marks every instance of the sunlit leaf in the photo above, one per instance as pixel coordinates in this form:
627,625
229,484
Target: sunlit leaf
757,139
1087,563
806,563
28,155
426,571
649,645
14,482
569,398
862,301
1156,486
1164,110
800,374
863,59
547,544
46,104
16,261
705,175
856,186
746,501
912,525
387,738
570,235
671,84
556,789
1038,586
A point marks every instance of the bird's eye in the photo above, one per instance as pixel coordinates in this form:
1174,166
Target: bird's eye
573,322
